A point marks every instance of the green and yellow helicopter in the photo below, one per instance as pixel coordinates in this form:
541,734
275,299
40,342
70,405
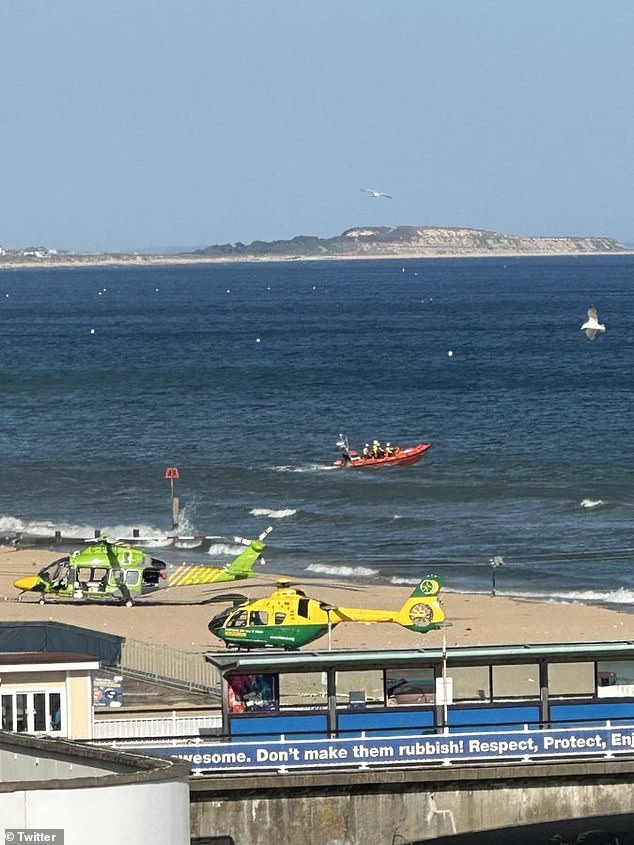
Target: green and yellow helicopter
289,619
119,572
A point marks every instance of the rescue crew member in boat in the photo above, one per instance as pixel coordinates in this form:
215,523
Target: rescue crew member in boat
377,450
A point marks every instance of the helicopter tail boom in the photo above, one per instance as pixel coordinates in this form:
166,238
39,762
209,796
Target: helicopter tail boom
421,612
240,567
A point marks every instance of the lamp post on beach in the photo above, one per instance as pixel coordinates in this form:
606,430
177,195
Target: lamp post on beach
172,474
495,562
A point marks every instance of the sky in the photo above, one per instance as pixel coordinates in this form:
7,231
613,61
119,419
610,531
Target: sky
154,124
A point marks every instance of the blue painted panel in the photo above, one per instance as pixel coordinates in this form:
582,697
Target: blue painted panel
498,716
616,711
295,726
385,722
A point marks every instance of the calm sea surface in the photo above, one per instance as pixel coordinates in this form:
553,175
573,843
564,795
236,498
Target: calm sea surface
242,376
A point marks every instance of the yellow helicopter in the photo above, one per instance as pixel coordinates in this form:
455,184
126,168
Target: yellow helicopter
116,571
289,619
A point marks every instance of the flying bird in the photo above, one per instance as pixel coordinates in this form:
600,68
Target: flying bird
592,325
376,194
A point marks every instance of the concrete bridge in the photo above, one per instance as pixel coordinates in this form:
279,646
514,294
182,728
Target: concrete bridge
484,804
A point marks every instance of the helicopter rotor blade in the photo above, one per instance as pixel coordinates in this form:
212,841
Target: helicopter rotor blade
225,598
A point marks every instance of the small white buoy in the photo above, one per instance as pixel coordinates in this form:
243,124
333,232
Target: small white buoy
92,331
450,353
257,340
228,290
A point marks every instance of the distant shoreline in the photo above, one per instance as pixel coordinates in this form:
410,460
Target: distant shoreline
113,260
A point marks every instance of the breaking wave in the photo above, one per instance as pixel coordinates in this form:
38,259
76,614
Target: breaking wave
308,468
342,571
271,514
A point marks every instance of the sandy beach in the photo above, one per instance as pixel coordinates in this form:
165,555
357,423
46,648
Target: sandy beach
15,261
174,618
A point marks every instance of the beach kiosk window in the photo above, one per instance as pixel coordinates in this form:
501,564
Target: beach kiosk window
305,690
471,683
408,687
571,678
360,688
515,681
615,678
253,693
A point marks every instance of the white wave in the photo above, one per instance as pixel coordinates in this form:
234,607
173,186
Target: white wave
591,503
408,582
281,514
342,571
619,596
309,468
224,550
46,528
185,524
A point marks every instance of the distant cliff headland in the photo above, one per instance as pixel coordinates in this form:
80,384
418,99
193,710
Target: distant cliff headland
413,242
361,242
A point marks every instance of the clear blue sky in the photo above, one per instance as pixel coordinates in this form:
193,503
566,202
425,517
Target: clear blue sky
135,124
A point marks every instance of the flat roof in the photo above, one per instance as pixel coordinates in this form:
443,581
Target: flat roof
113,767
11,661
263,661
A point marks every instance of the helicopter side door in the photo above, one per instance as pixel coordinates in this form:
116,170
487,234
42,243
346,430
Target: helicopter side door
131,578
92,579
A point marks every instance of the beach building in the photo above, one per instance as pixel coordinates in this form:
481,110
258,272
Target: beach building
47,693
50,787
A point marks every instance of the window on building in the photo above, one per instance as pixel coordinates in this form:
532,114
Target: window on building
571,678
40,724
470,683
8,713
615,678
410,686
350,684
21,712
55,711
304,690
32,712
521,681
253,693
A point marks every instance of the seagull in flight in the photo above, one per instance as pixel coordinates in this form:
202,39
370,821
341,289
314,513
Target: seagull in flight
376,194
592,325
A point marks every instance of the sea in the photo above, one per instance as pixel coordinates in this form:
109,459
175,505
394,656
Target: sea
243,376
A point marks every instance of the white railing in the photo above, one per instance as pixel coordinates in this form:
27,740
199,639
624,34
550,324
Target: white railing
154,727
161,663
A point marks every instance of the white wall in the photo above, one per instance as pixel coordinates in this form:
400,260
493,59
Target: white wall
134,814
